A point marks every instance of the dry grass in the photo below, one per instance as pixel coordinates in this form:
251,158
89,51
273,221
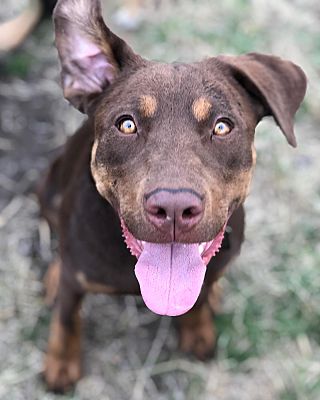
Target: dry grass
269,327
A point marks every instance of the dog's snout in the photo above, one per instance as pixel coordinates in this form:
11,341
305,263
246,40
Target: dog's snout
177,211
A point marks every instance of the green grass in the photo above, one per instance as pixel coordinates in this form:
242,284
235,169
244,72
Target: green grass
17,64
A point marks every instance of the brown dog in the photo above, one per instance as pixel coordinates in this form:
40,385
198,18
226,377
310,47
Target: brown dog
164,159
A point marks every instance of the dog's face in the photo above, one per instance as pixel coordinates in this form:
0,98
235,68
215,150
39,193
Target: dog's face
174,131
173,150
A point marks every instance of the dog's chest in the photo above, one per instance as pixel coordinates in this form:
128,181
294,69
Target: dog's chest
93,241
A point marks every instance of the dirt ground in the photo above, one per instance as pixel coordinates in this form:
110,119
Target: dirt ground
269,326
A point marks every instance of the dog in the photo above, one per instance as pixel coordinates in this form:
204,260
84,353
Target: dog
160,169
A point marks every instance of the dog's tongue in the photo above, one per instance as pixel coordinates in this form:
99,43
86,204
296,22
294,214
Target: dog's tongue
170,277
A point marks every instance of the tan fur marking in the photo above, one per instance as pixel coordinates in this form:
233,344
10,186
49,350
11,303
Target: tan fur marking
98,173
93,286
201,108
94,150
51,282
215,297
254,155
148,106
240,186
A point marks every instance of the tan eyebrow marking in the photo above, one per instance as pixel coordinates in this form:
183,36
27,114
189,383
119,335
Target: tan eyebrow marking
201,108
148,105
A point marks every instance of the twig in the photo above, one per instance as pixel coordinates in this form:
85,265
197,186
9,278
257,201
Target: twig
151,359
45,239
10,210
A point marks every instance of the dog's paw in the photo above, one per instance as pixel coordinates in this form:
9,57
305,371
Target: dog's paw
196,332
61,374
199,341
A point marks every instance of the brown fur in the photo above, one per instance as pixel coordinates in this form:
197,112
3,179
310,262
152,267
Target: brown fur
62,364
102,174
197,332
93,287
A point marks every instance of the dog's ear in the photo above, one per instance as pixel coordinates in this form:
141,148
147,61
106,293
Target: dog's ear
91,55
278,85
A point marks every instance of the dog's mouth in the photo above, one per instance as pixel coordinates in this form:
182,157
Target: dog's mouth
171,275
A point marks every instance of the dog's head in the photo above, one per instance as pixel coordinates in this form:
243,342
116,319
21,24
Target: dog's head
173,150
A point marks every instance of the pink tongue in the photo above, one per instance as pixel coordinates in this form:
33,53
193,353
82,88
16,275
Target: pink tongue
170,277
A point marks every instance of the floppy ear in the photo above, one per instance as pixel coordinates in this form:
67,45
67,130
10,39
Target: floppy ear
91,55
278,84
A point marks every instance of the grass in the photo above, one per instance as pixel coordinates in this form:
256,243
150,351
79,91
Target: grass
17,65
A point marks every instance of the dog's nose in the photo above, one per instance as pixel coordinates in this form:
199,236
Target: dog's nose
179,210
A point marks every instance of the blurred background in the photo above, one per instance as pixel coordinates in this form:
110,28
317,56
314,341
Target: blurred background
269,325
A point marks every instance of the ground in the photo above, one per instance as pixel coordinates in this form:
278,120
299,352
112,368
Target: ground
269,326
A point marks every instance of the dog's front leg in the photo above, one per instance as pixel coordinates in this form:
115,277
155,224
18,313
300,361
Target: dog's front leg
196,331
62,363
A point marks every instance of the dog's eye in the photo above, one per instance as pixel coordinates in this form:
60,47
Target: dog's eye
222,127
126,125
